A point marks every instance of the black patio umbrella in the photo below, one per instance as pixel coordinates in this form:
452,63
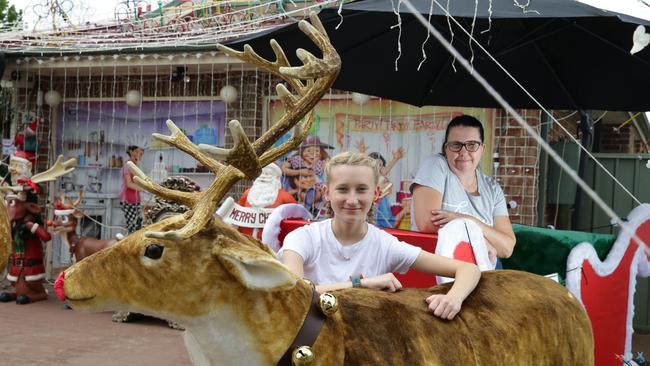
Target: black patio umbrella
567,54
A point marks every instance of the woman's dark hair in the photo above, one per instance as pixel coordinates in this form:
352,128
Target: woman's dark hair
377,156
131,148
463,121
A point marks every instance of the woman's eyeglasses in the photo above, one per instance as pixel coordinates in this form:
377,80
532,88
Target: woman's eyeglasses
471,146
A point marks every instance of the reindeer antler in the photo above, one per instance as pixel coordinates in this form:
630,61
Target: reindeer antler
76,202
59,168
310,81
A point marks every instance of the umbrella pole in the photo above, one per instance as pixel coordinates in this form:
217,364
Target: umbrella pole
586,126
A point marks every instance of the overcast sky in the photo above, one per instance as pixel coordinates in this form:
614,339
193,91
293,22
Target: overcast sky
79,11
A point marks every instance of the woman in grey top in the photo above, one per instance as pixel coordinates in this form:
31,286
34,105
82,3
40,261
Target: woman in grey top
449,186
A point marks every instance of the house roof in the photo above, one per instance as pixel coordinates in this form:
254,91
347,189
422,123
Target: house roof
180,26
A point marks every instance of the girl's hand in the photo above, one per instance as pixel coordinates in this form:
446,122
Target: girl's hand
441,217
444,306
386,282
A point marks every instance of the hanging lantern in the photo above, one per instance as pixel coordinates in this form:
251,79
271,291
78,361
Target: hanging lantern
228,94
133,98
360,99
52,98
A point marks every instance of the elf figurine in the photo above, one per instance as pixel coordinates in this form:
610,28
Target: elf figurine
26,267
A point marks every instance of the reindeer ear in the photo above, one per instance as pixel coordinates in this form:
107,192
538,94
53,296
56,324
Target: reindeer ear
252,267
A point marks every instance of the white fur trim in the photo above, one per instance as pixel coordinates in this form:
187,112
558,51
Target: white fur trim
34,228
35,277
12,278
63,212
453,233
586,252
271,229
19,159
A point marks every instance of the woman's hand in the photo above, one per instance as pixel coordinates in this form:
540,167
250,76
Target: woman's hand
444,306
386,282
440,217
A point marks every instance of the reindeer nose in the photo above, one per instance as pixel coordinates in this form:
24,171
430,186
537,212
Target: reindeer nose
58,287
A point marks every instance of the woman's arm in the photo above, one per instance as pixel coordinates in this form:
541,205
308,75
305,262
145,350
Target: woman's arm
425,201
128,182
500,236
286,170
386,282
467,276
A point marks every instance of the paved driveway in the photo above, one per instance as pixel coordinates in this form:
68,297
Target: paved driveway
44,333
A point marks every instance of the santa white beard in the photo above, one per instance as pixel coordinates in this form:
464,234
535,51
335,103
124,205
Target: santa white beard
263,194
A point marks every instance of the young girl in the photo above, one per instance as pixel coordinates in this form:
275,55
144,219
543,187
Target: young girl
346,251
130,195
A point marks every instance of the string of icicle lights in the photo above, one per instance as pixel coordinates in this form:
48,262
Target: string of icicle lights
197,26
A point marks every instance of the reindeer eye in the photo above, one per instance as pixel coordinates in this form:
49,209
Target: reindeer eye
65,219
12,202
154,251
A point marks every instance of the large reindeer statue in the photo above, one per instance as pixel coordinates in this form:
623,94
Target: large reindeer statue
240,306
66,215
28,232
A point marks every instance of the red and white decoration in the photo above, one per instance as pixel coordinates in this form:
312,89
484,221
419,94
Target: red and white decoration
606,288
463,239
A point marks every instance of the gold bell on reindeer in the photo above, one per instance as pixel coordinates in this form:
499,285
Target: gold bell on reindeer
302,356
328,303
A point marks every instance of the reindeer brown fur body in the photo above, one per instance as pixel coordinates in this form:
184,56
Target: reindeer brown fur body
511,318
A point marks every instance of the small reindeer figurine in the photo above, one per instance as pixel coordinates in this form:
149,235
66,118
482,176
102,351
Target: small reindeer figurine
66,216
28,232
241,306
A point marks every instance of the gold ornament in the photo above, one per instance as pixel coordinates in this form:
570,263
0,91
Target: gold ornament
302,356
328,303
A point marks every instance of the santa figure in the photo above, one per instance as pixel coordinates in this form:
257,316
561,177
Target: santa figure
258,201
26,268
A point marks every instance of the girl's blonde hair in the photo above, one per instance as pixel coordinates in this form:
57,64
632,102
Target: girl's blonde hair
352,159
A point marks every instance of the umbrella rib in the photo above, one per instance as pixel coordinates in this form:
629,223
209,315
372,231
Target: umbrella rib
555,76
613,45
516,45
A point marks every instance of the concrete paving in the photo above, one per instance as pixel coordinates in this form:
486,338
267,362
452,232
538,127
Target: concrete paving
44,333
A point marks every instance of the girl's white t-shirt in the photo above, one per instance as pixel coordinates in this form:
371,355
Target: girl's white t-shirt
327,261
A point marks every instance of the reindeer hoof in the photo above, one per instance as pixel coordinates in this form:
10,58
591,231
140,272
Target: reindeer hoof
175,325
22,300
125,317
5,297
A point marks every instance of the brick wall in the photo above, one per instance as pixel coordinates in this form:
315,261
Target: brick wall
518,164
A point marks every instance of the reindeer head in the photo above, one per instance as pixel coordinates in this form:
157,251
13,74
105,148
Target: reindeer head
193,264
66,213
